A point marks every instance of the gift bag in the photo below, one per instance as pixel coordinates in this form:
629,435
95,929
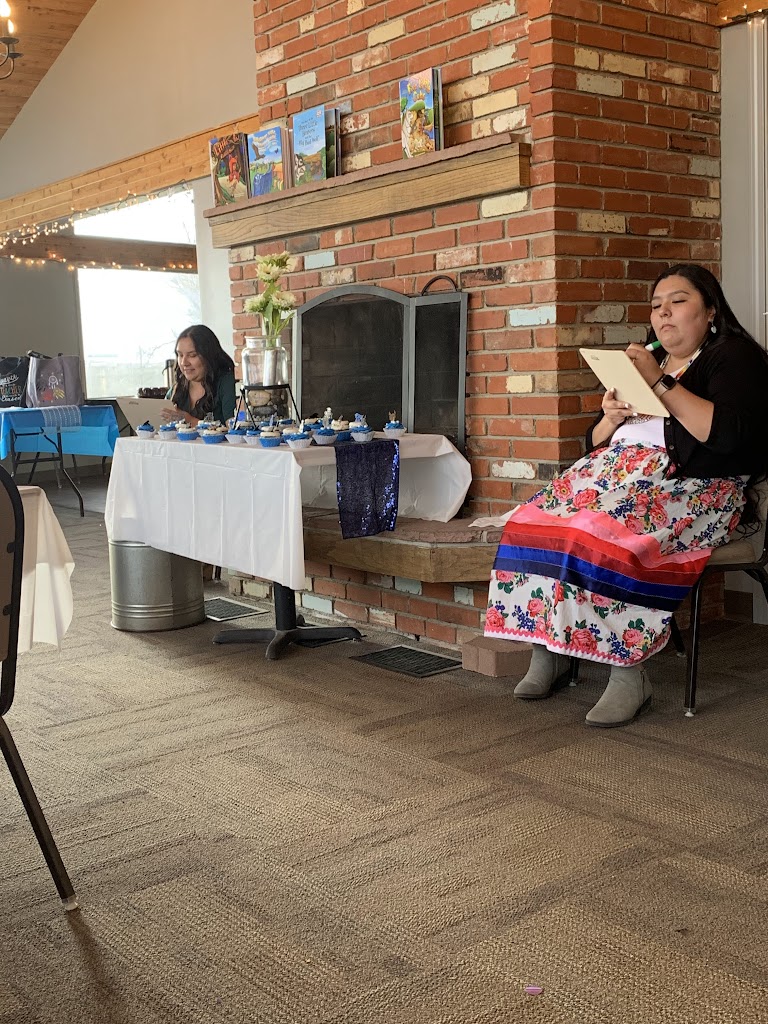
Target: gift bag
13,380
54,380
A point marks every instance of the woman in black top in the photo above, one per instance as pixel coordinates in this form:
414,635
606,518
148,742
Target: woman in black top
596,563
205,378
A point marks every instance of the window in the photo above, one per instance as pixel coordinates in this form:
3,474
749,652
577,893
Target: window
130,319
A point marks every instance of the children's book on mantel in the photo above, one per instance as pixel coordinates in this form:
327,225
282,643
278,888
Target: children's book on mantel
229,168
332,142
269,160
421,112
309,146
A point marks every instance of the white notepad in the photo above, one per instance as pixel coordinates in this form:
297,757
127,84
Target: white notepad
139,410
614,369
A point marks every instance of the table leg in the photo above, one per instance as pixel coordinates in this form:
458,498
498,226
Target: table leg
289,628
72,483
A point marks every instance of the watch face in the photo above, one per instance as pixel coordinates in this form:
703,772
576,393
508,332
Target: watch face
668,381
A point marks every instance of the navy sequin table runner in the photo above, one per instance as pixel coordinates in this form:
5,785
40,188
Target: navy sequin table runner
367,483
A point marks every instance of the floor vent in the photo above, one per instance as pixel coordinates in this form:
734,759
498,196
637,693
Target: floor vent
409,661
219,609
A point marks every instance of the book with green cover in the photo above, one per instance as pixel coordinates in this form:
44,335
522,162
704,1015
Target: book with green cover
309,152
421,120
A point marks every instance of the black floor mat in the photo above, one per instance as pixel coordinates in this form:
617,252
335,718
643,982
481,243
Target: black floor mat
219,609
409,661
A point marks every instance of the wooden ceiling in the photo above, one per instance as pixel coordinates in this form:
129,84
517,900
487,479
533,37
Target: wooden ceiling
43,29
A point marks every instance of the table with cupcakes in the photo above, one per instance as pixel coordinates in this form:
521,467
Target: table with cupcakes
231,494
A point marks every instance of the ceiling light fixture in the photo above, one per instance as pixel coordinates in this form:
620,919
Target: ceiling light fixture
8,55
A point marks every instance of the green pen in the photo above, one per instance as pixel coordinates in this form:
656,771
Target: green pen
652,346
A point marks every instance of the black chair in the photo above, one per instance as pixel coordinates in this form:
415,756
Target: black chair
11,555
747,554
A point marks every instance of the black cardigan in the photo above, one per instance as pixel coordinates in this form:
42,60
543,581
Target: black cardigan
731,372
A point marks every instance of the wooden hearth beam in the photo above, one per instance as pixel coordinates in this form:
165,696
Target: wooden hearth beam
470,171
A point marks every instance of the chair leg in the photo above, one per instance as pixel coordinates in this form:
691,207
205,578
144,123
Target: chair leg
37,818
761,576
693,651
677,638
573,677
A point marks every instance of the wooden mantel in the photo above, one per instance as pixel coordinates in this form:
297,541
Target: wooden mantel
472,170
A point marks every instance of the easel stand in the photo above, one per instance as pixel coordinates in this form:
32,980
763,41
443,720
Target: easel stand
289,628
247,389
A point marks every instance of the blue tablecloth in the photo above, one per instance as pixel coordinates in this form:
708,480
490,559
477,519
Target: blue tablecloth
95,436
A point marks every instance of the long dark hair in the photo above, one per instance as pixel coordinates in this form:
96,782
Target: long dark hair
215,360
708,287
727,326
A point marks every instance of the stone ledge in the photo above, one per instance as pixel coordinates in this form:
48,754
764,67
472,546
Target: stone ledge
417,549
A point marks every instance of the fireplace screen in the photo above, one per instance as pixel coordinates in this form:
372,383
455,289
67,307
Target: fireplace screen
368,349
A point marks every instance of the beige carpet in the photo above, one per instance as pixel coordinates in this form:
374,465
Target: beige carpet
316,840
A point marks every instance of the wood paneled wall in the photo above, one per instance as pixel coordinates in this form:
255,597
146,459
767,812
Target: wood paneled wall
183,160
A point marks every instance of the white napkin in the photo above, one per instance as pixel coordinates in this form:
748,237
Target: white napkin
491,521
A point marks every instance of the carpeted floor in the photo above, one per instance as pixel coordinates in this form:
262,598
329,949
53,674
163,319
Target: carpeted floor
315,841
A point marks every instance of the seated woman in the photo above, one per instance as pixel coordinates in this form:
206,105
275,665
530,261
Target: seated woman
205,378
594,565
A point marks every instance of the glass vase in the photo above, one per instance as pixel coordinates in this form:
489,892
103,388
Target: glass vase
265,362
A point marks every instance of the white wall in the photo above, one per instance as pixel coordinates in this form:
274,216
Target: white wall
744,137
39,309
134,76
212,270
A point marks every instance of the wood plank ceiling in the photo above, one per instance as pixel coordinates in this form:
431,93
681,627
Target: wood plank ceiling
43,30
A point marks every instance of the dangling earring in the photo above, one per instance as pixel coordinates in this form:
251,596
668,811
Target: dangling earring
712,327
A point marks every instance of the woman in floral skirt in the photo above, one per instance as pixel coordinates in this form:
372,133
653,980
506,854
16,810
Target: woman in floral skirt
595,564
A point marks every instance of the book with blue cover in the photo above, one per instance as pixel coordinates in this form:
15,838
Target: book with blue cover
309,152
268,161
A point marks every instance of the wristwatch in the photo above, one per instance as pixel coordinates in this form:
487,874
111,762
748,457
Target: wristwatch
666,382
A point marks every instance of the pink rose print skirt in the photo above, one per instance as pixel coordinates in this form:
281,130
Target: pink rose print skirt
595,564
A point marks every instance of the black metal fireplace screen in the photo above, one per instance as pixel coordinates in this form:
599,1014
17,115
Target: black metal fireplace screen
363,348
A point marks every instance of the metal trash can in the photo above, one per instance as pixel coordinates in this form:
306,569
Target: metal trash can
153,590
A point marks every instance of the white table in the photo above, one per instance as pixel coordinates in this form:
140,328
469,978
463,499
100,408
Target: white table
46,593
240,507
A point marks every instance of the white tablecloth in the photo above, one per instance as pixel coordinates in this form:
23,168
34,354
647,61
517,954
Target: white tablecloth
46,593
240,507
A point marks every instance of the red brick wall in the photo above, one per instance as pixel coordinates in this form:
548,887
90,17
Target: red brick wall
621,103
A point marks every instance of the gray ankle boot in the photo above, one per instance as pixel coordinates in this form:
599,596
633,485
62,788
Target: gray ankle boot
548,672
626,696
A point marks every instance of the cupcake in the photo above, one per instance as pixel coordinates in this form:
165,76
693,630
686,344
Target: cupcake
187,433
341,426
394,429
167,432
212,432
145,431
361,433
298,441
271,437
236,435
253,437
325,435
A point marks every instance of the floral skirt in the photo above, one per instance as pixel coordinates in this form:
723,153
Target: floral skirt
595,564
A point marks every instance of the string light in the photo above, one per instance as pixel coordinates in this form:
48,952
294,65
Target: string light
740,12
29,233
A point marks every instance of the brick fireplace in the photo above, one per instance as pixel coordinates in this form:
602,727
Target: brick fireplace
619,104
